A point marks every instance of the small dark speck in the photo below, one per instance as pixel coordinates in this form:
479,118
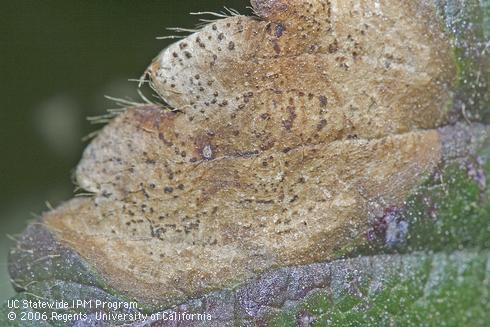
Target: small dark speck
321,124
277,48
279,30
323,101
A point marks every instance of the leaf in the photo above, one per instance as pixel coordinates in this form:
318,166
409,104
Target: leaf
370,290
285,133
414,289
411,290
182,220
468,24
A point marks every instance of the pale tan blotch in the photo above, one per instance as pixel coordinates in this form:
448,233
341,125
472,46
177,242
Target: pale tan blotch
286,140
170,230
374,69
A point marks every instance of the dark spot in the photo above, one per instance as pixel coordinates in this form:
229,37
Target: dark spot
264,201
168,189
321,124
313,48
265,116
279,30
333,47
162,138
247,153
323,101
106,194
268,144
288,123
231,45
277,48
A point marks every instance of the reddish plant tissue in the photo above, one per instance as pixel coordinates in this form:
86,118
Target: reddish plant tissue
391,228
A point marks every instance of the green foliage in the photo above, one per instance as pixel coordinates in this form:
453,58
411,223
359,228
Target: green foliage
467,23
461,214
427,290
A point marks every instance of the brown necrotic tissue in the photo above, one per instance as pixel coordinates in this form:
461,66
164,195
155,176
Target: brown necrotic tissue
287,132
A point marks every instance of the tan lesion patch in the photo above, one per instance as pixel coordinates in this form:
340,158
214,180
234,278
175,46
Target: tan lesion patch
272,158
236,211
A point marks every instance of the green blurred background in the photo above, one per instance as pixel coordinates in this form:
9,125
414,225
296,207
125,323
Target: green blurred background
58,58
